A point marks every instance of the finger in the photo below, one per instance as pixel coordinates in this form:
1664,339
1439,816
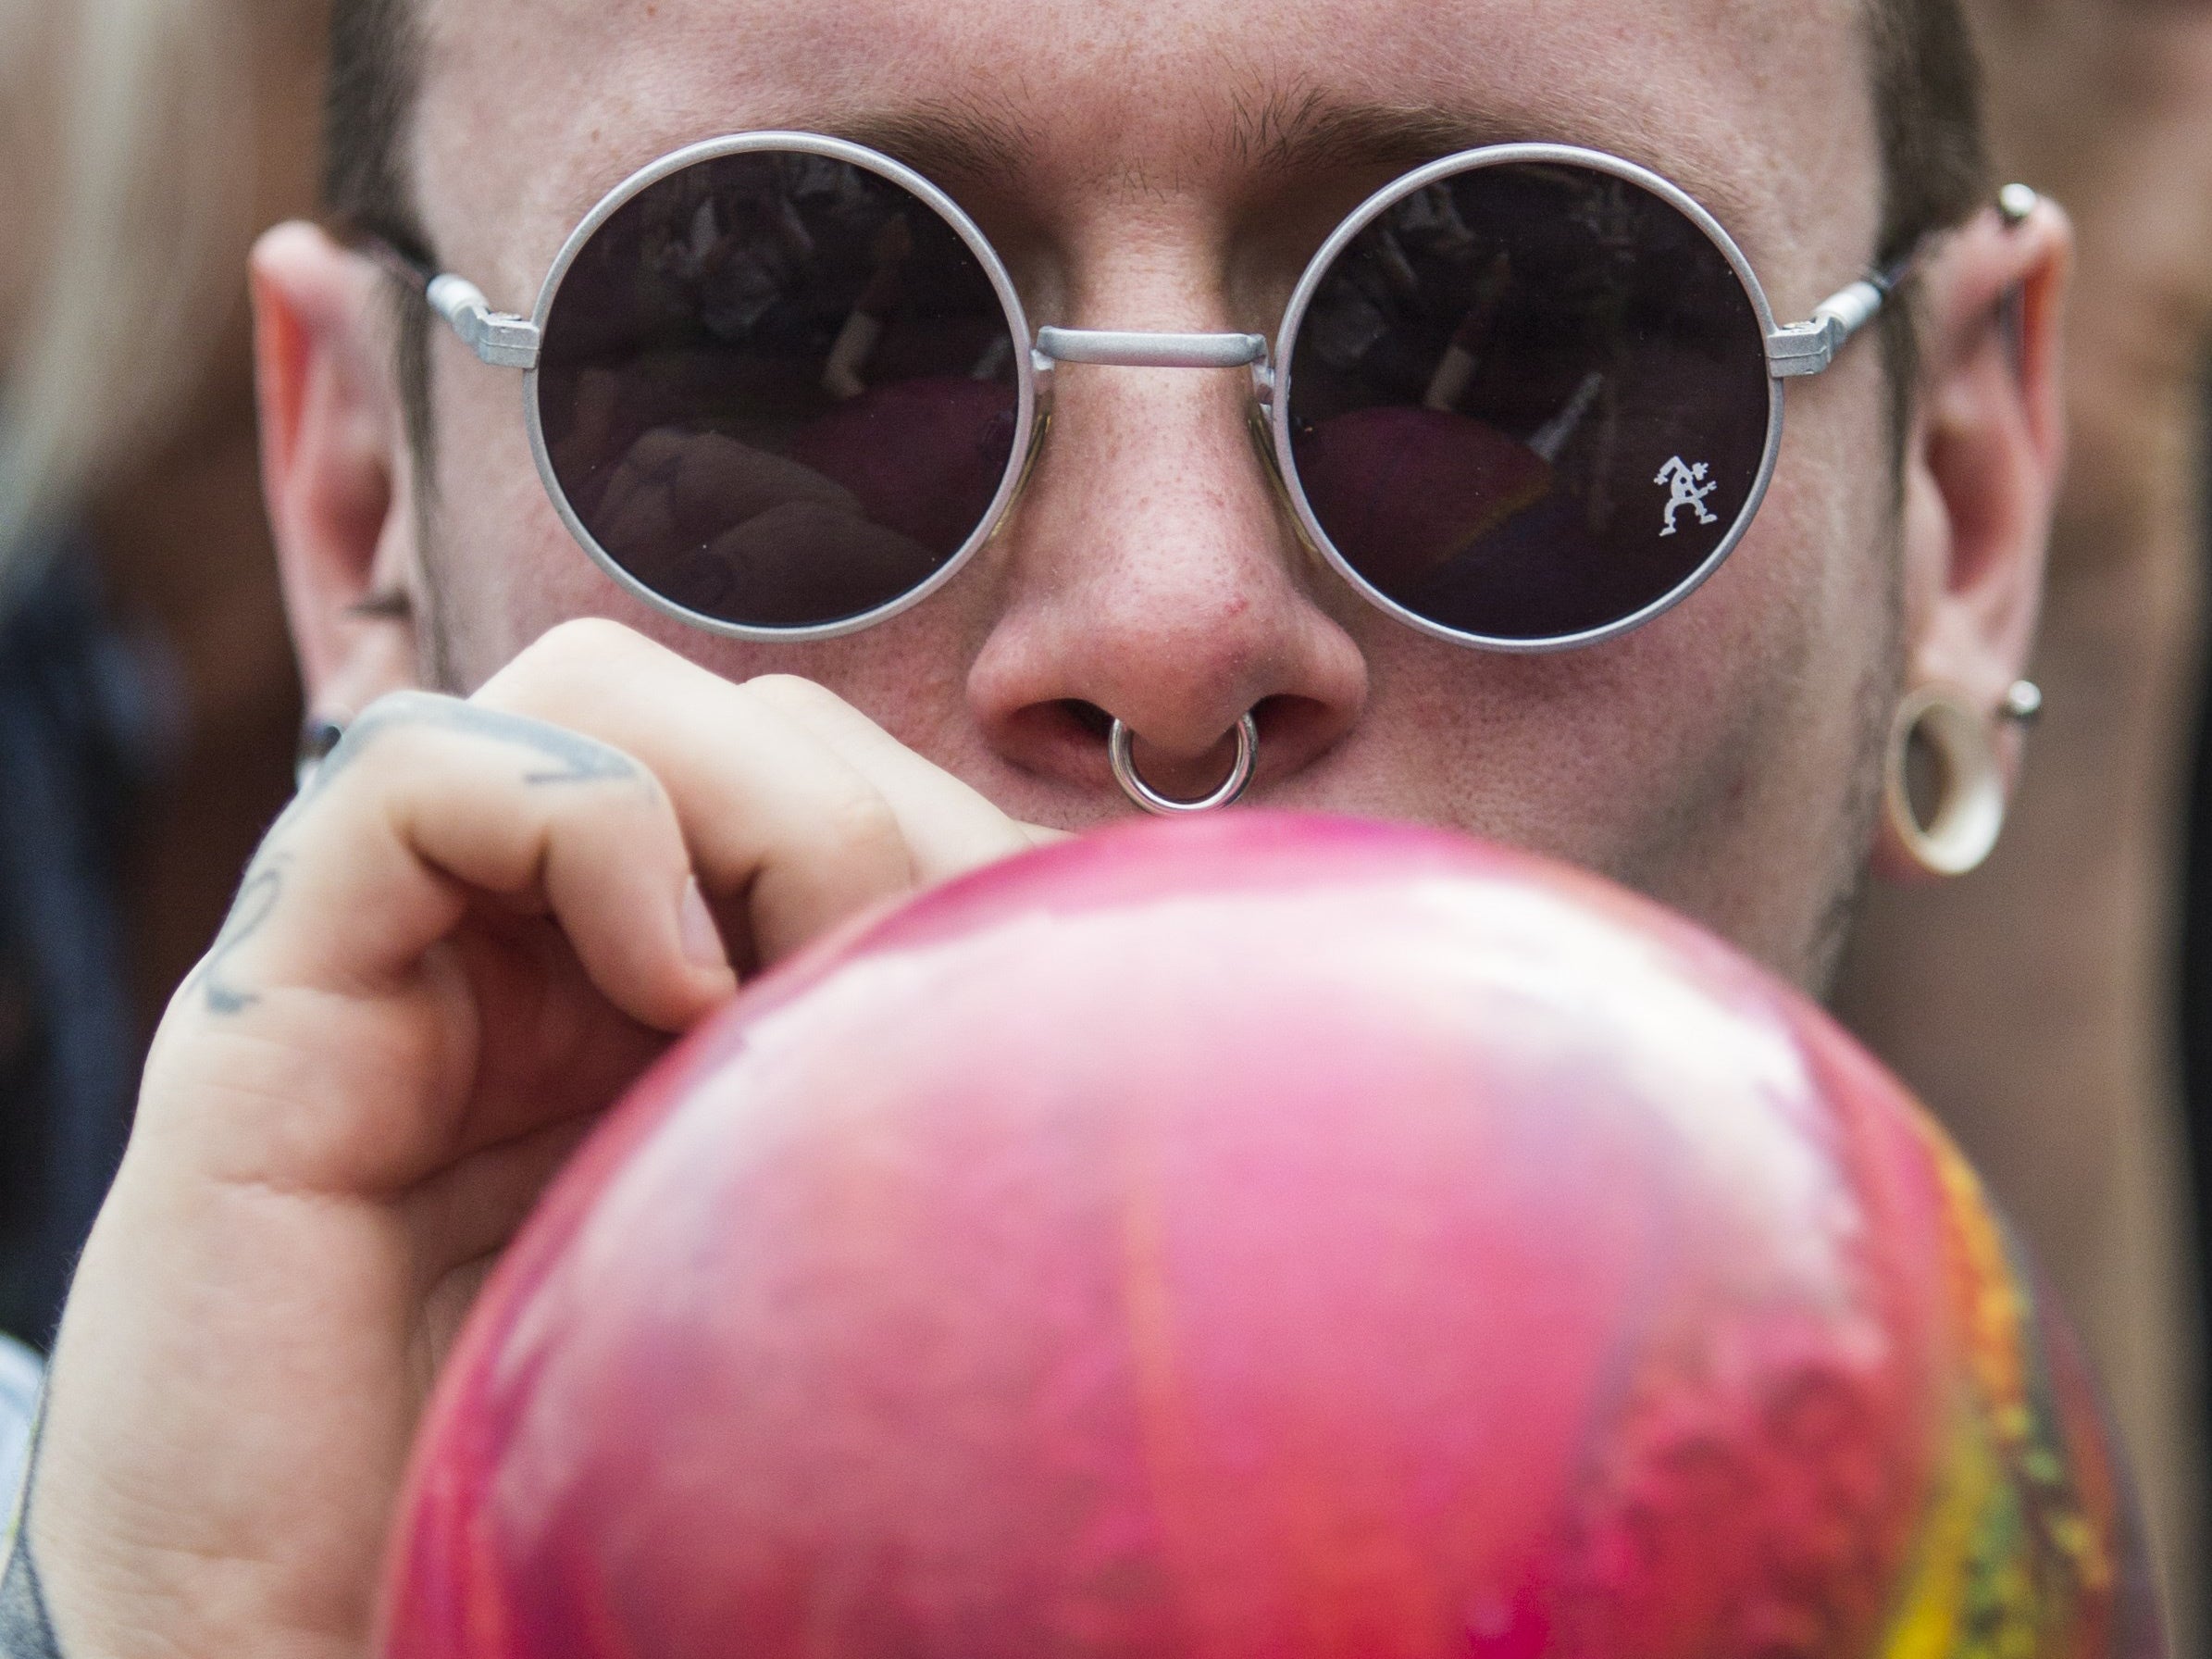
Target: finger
950,827
769,811
470,1211
428,800
551,1043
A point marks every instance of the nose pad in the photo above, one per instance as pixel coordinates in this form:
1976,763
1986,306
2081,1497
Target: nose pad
1260,425
1041,426
1261,431
1258,428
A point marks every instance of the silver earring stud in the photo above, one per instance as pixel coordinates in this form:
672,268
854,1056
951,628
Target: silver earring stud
2023,703
2016,202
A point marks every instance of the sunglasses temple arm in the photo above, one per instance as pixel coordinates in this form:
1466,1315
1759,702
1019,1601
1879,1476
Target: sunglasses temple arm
1807,348
499,338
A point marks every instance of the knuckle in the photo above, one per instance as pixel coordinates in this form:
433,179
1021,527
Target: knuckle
386,725
400,709
563,662
652,794
856,825
589,636
793,690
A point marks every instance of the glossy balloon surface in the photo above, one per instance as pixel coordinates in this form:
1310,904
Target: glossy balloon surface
1274,1238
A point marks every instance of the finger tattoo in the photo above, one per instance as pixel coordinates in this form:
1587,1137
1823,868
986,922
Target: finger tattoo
255,902
577,759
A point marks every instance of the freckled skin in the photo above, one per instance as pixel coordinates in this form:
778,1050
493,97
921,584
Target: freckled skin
1717,759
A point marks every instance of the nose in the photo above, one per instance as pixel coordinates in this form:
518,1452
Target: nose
1151,576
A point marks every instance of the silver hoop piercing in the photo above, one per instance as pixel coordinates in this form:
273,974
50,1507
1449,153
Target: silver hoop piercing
317,738
1970,811
1160,806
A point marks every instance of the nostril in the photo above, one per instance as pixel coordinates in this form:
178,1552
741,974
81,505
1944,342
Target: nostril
1294,732
1088,718
1277,715
1063,738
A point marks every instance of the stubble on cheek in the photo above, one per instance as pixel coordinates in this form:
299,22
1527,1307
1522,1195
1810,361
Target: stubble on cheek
1875,701
1879,539
1764,831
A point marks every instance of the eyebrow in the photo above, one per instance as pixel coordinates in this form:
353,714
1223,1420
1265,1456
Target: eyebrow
946,142
1275,134
1286,133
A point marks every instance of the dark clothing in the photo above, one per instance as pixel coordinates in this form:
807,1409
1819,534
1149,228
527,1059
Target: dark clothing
75,743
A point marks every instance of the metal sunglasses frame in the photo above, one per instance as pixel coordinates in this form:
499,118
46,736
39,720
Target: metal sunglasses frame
506,341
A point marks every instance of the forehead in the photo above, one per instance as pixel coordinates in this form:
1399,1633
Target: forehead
531,110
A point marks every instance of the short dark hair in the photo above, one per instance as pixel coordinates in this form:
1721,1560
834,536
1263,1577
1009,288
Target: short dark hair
1927,81
367,188
1935,171
1927,94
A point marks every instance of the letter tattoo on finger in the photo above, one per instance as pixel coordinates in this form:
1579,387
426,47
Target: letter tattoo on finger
248,912
577,759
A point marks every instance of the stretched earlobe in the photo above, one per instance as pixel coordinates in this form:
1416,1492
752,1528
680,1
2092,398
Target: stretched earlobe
1981,479
1942,786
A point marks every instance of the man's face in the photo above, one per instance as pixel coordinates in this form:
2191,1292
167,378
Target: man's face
1157,167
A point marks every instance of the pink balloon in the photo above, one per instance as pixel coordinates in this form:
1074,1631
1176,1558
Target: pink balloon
1266,1237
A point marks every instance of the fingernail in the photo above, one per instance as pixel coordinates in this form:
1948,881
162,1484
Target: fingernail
703,939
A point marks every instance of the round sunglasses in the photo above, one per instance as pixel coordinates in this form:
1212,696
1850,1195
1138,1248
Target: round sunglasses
1524,398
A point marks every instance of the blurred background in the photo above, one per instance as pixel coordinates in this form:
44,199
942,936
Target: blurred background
148,707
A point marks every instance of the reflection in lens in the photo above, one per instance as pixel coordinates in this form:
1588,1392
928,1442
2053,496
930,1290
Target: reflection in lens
1529,400
778,389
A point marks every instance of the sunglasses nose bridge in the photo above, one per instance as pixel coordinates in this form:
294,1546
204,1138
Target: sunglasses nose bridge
1126,348
1137,348
1132,348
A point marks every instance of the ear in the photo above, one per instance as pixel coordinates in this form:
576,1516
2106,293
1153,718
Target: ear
336,468
1982,463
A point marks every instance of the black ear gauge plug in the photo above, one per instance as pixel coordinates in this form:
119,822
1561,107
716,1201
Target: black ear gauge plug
317,738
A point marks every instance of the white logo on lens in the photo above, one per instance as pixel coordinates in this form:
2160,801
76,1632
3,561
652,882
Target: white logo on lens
1690,491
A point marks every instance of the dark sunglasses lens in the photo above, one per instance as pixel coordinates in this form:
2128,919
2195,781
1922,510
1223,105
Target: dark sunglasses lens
778,389
1529,401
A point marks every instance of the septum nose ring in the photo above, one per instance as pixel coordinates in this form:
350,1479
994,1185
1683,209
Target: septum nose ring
1160,806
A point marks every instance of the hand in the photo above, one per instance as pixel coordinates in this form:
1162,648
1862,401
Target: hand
472,930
